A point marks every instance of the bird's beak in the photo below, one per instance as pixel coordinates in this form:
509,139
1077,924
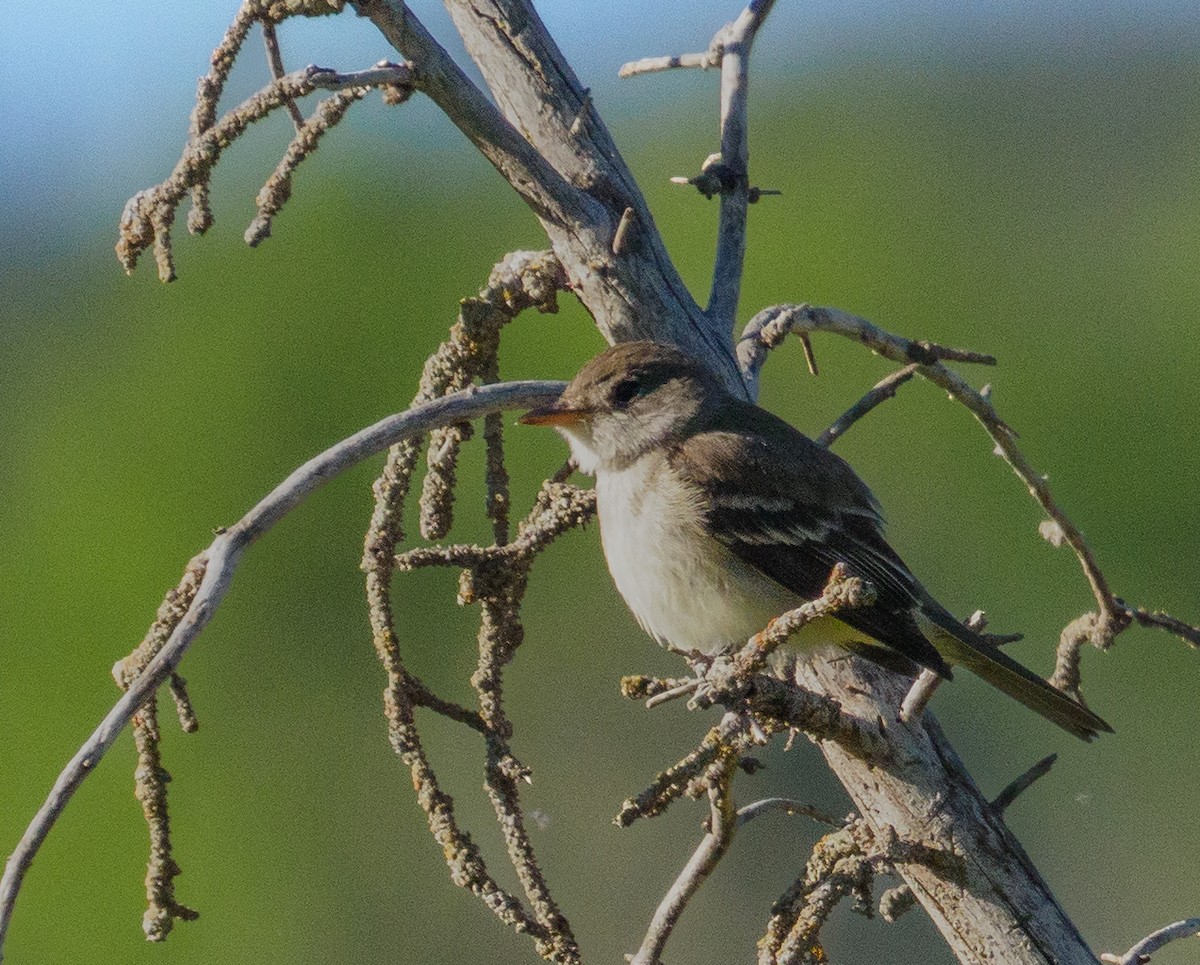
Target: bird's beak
554,414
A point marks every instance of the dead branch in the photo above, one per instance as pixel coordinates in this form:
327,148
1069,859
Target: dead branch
220,562
1141,952
149,214
713,847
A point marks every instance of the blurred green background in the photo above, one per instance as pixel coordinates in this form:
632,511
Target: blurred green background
1027,192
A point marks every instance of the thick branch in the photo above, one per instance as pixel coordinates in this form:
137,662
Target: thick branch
550,145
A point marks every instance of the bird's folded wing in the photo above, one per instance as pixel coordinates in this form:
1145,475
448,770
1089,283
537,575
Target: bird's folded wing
793,510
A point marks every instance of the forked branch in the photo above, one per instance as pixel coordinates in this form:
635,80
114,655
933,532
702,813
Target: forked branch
219,563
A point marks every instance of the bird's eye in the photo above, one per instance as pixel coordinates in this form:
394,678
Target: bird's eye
625,391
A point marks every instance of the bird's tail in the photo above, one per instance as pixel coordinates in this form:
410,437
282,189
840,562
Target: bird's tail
963,647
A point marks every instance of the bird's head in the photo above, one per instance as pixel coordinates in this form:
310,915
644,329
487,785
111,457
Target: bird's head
628,399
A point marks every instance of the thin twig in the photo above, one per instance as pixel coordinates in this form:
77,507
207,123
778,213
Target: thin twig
221,560
712,848
275,62
886,388
788,806
1022,783
1141,952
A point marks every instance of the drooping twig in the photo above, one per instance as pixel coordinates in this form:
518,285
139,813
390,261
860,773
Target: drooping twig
840,865
149,214
150,777
150,788
495,578
1141,952
275,193
210,87
844,863
220,562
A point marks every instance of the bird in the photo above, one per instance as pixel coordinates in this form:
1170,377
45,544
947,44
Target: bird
717,516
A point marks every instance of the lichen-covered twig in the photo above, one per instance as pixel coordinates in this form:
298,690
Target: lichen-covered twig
150,788
150,777
495,577
522,280
277,189
209,88
219,563
149,214
725,738
843,864
841,592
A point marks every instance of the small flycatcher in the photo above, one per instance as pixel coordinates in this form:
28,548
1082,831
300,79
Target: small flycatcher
716,516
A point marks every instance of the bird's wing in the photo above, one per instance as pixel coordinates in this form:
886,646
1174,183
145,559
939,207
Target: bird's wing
793,510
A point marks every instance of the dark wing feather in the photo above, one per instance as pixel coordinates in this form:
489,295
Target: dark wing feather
794,511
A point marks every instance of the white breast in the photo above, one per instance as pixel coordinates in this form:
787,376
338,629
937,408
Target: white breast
686,589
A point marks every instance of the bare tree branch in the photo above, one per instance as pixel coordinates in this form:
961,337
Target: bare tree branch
572,175
711,850
1141,952
220,561
735,41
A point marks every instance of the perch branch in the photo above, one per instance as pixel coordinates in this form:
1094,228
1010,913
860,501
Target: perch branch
220,562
